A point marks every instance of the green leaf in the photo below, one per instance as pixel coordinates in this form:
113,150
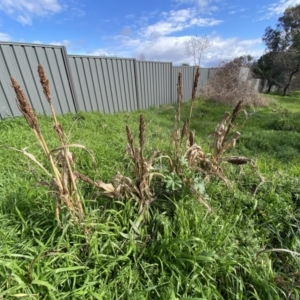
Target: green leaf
44,283
69,269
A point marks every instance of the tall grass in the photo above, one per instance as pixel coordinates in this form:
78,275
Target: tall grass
246,247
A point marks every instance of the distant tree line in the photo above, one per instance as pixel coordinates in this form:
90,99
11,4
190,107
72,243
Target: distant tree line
280,64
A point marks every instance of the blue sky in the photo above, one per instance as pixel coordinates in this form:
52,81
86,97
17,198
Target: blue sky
154,29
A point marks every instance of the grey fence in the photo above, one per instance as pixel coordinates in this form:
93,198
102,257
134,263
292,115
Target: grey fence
154,83
188,74
104,84
88,83
20,61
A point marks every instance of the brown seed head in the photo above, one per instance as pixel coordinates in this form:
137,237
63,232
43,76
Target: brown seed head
130,138
24,105
195,85
179,88
191,139
236,111
44,82
142,131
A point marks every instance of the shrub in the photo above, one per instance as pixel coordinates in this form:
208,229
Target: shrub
232,82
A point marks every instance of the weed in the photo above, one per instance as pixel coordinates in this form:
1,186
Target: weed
62,183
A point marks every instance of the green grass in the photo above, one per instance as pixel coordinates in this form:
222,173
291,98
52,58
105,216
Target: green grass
182,252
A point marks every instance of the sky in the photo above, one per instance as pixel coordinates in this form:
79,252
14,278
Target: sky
153,30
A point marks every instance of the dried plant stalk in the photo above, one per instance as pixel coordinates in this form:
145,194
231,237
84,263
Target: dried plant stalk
46,89
122,187
179,99
210,165
31,119
235,113
177,136
63,182
130,141
183,131
45,83
191,139
142,132
194,94
68,176
141,186
220,142
24,106
195,85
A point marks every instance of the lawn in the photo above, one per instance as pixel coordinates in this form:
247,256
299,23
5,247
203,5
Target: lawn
246,246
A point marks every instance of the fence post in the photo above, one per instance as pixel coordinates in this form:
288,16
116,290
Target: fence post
136,83
70,79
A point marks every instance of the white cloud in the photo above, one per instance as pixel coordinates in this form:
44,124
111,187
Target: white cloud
204,22
128,42
24,10
204,6
179,15
236,11
279,7
175,21
102,52
66,43
130,16
162,28
224,49
4,37
172,49
163,49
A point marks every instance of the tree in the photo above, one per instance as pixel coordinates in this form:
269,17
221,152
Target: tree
267,68
290,64
196,46
283,44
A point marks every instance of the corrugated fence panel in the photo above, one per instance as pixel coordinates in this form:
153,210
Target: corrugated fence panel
21,62
104,84
154,83
204,76
188,74
212,72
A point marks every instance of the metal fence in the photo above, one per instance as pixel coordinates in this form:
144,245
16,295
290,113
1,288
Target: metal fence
154,83
88,83
20,61
104,84
188,74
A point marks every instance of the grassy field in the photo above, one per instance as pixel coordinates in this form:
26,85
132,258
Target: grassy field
246,247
